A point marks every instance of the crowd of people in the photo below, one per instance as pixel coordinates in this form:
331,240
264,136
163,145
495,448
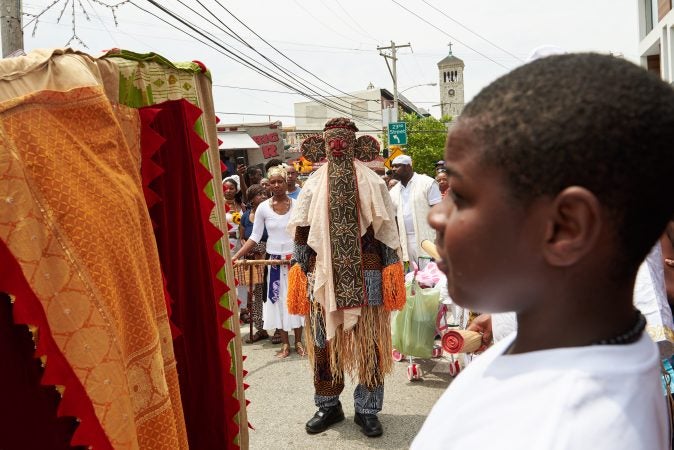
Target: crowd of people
545,205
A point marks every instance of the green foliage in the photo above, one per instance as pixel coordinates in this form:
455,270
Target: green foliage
425,141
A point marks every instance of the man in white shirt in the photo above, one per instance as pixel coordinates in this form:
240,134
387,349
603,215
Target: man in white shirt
413,198
555,201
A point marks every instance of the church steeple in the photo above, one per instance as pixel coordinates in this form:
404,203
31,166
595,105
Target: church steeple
450,80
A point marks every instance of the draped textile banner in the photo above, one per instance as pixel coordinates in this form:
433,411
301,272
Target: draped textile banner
147,80
76,223
186,238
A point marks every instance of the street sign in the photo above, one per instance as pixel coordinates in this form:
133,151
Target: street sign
395,152
397,133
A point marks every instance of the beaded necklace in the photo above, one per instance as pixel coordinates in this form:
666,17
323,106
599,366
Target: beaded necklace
628,337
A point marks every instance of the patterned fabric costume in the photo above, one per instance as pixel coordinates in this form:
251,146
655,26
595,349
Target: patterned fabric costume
348,284
96,154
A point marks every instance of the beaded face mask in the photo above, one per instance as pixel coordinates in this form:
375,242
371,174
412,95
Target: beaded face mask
339,142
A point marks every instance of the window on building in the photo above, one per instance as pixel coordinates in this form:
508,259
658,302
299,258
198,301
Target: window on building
648,8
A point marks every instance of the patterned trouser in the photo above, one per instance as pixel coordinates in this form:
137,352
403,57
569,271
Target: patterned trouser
255,308
327,390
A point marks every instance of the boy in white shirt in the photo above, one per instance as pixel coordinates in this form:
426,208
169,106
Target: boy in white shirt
556,177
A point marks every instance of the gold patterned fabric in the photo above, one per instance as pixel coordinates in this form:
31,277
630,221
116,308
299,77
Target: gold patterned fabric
74,217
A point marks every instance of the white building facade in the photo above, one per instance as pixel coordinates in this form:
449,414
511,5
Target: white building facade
369,109
656,37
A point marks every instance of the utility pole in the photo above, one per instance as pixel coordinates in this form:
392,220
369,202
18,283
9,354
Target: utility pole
394,74
12,34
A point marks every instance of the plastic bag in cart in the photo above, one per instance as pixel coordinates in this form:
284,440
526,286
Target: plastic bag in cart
413,328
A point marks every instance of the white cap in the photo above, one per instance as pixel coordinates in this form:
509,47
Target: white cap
402,159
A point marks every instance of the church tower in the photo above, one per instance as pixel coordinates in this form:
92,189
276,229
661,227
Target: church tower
450,71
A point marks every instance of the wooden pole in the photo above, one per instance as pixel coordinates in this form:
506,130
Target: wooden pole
11,32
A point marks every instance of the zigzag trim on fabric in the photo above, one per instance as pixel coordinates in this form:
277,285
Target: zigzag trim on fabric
213,235
28,311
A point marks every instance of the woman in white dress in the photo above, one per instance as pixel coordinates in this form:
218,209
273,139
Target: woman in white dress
274,214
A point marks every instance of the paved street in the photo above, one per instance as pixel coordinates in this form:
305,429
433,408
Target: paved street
281,396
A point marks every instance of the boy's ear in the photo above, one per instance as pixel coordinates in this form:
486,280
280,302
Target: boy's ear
573,228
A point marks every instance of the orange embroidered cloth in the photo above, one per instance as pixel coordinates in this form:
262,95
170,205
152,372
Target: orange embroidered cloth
65,167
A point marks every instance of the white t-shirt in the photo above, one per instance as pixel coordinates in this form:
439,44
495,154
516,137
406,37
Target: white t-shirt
279,241
602,397
434,197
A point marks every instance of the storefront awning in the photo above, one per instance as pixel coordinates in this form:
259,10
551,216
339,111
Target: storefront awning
233,140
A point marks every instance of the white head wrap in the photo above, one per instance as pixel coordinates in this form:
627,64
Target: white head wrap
235,179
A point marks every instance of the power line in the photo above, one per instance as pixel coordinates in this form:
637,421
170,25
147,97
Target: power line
377,130
347,23
473,32
290,74
283,92
254,89
222,49
283,54
449,35
325,25
355,21
231,33
278,115
289,92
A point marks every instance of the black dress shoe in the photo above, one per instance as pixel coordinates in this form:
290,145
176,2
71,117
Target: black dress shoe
325,417
369,424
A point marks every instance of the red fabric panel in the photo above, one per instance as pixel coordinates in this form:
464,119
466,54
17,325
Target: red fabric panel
185,238
31,414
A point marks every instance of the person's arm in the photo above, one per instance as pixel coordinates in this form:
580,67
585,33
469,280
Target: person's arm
241,170
242,232
245,249
434,194
256,235
667,245
669,236
482,324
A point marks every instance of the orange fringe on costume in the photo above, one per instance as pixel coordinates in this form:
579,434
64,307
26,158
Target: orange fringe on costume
297,300
393,287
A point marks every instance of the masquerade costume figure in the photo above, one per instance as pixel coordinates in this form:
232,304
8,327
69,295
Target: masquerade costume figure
348,274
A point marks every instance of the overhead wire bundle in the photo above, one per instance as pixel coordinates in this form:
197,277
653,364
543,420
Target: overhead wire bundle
258,61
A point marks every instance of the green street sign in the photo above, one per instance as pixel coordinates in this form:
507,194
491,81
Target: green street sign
397,133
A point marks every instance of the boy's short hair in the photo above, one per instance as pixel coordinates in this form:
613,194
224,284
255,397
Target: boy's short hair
587,120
